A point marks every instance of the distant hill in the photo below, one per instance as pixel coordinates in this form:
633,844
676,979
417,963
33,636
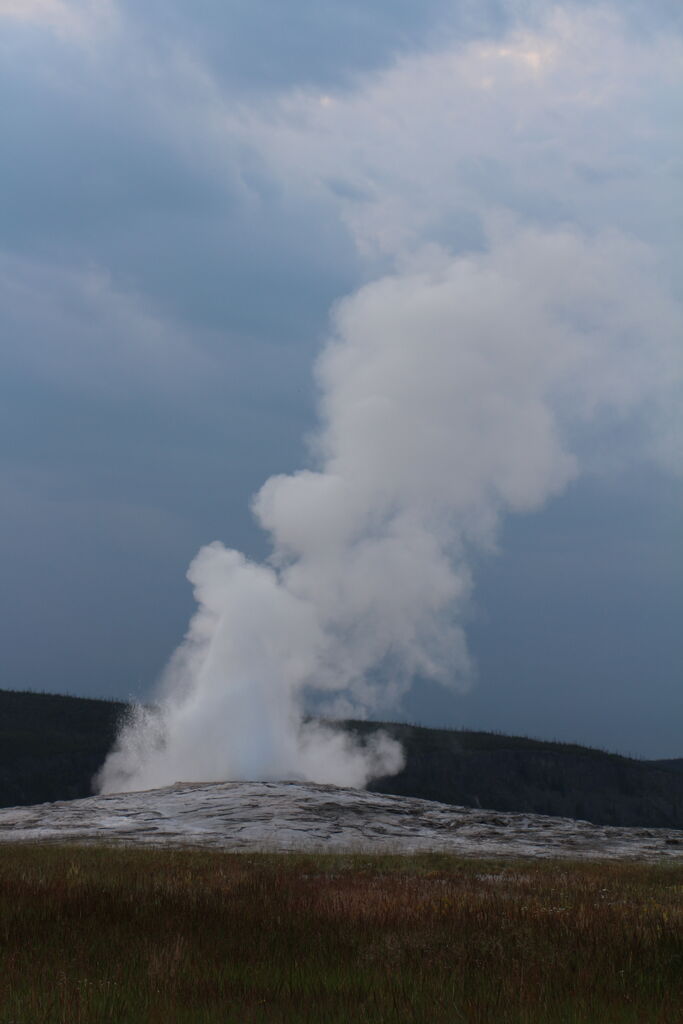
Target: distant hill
514,773
52,745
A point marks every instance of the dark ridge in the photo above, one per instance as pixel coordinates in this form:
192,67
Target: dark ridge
515,773
52,745
670,764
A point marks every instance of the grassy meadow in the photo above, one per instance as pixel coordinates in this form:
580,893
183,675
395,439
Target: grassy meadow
124,935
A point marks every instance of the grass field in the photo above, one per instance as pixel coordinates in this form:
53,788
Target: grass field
128,935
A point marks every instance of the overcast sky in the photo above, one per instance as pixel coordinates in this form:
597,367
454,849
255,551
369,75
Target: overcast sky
187,189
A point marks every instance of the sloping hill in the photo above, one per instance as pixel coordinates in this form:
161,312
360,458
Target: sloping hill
297,816
51,746
513,773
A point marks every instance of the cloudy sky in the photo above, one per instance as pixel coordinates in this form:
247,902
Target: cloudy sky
187,193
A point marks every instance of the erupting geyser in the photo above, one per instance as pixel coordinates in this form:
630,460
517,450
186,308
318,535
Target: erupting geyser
449,394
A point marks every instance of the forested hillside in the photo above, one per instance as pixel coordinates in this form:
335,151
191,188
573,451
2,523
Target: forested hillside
51,746
512,773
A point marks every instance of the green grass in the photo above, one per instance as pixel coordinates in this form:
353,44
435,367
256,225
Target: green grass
123,935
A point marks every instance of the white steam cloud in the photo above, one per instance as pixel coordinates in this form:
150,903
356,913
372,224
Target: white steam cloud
452,392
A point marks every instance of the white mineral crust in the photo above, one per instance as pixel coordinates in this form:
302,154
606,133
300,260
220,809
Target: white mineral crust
294,816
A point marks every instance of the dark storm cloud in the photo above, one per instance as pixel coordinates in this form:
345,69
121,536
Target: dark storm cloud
93,174
261,45
178,211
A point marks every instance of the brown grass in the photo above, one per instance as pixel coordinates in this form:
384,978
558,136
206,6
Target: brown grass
95,934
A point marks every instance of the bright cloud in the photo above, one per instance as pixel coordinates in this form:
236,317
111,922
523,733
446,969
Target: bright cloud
573,121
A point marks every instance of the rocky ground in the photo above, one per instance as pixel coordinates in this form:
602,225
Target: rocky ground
296,816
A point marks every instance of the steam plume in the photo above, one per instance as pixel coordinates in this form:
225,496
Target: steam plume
451,392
